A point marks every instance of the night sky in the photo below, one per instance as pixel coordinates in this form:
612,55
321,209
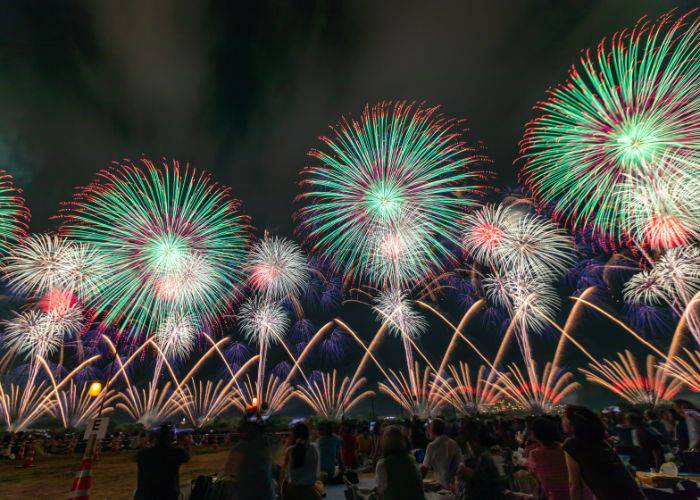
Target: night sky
244,90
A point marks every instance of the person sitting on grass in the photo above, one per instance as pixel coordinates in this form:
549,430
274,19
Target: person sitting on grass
158,468
442,455
302,467
398,477
547,460
329,449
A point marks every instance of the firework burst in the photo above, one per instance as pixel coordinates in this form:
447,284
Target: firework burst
626,117
41,263
14,215
399,166
32,334
172,239
672,280
395,308
176,336
532,301
536,246
485,232
263,321
278,268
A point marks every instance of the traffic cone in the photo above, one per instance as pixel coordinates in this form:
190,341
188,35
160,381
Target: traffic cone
82,481
20,452
28,458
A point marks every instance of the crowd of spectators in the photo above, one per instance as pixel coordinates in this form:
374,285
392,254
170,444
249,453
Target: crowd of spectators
579,454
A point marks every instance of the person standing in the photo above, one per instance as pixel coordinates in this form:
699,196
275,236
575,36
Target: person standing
691,415
158,468
442,455
249,463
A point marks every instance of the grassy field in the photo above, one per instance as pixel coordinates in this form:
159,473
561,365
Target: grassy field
113,476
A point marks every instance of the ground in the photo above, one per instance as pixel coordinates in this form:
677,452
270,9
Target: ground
113,476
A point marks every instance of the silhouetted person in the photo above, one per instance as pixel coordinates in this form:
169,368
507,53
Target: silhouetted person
591,461
159,468
249,463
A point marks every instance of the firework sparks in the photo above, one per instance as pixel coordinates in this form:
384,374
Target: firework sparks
176,336
263,321
535,394
686,371
466,397
275,397
74,407
622,116
41,263
673,279
532,301
414,394
394,307
331,401
14,215
485,232
173,240
398,166
278,268
663,210
624,378
536,246
205,402
32,334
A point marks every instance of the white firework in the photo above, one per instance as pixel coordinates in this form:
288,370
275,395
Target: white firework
176,336
85,269
278,268
262,320
41,263
679,270
397,255
644,288
662,204
536,246
394,308
187,282
673,279
62,311
485,231
32,334
528,299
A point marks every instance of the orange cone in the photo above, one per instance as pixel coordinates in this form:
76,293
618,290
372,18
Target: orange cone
28,458
82,481
20,452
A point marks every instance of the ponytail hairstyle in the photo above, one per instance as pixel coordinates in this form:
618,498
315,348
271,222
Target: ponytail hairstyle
300,434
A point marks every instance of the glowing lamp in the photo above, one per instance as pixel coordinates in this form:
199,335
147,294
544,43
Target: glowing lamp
95,389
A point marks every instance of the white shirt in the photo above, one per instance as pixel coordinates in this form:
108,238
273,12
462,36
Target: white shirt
692,419
309,471
443,456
